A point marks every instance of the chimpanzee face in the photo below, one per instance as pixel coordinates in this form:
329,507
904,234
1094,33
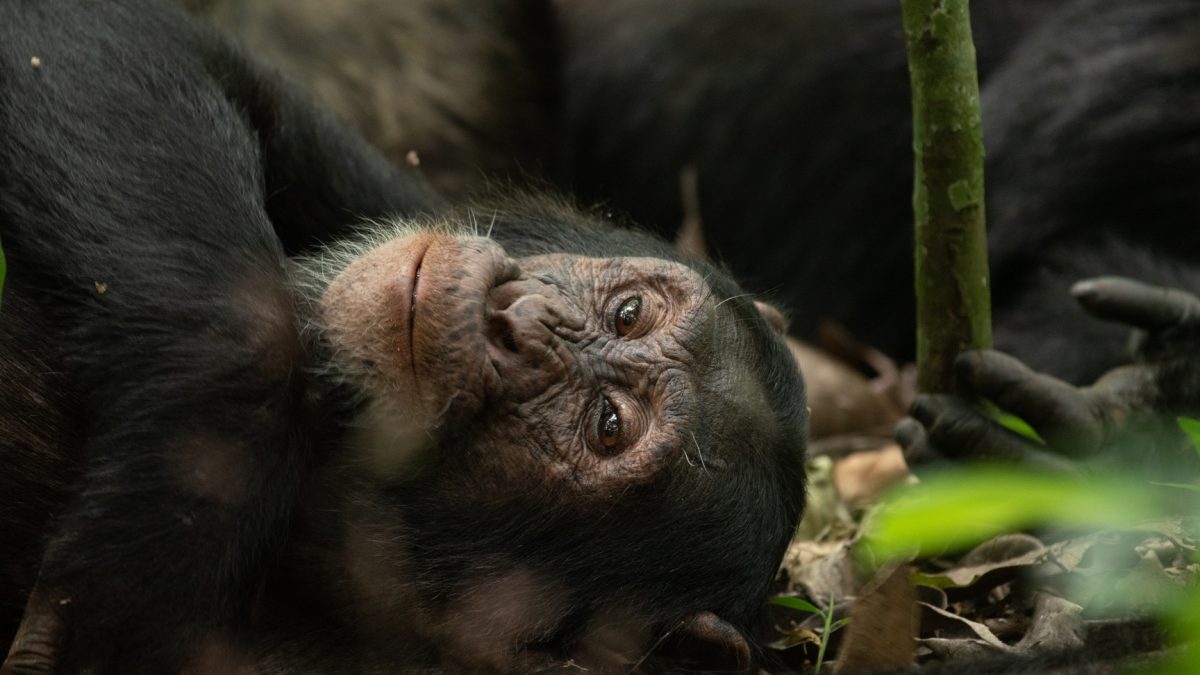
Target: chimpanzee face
609,436
585,369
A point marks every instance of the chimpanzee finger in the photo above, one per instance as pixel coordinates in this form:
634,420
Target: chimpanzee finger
959,431
1059,412
914,443
1136,303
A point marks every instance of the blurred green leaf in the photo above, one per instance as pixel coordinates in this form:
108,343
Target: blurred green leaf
1182,486
796,603
965,506
1010,421
1190,426
1182,616
1018,425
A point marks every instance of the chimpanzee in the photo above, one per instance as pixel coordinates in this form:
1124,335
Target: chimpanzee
485,438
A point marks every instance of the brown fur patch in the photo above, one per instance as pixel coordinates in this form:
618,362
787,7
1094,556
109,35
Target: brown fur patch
385,603
210,468
614,640
487,624
270,326
217,655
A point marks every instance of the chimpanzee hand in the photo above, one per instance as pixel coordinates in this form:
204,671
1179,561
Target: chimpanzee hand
1127,417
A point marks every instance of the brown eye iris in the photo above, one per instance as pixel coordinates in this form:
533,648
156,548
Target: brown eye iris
627,315
608,427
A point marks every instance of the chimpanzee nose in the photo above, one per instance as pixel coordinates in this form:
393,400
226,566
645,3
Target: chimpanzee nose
527,324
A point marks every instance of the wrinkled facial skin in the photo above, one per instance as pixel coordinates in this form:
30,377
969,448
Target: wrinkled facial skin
585,359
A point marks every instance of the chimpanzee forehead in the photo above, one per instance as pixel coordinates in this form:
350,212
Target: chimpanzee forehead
648,268
682,319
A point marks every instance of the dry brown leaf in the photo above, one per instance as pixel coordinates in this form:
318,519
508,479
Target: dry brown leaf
992,563
862,477
1057,625
1002,548
883,625
825,516
795,636
821,576
959,649
842,400
944,625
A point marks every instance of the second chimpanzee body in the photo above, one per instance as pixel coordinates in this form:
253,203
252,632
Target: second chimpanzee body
796,118
487,439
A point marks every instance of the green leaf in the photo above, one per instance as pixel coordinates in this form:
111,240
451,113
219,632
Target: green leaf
838,624
965,506
1182,616
1011,422
1190,426
796,603
1018,425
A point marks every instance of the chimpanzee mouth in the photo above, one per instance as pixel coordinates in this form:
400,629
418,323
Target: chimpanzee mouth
414,283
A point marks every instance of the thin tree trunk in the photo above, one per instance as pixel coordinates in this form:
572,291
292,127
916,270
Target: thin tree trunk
953,300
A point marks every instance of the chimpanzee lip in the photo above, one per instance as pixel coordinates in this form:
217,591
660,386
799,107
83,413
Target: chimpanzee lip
414,282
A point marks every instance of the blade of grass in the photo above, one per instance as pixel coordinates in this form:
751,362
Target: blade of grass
796,603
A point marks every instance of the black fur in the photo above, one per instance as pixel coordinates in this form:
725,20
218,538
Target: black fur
1093,156
796,115
152,181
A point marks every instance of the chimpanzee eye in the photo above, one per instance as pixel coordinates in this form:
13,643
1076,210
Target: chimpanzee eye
608,427
627,315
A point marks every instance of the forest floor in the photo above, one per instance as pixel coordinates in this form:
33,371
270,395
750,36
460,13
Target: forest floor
1041,600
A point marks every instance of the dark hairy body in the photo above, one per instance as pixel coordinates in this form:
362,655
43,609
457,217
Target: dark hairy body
796,118
498,438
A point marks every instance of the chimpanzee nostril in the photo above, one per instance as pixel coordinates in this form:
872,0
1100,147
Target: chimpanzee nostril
524,336
500,332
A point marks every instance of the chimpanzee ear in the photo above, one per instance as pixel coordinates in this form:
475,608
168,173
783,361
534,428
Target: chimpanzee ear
705,643
773,316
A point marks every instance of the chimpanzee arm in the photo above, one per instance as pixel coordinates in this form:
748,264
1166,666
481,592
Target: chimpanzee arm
320,177
1126,417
